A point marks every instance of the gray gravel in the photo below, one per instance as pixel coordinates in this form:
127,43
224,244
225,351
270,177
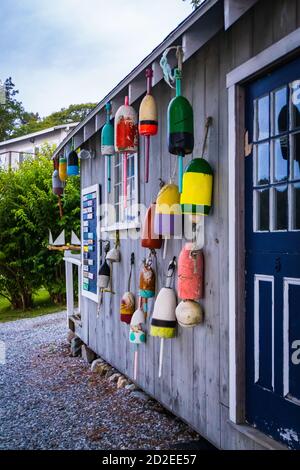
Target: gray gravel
50,400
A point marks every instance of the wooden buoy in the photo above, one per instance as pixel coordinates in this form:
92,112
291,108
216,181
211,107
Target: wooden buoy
196,195
148,123
62,169
163,321
189,313
126,137
107,143
190,273
127,306
180,127
72,165
149,238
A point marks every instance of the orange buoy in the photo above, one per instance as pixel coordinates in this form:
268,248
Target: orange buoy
190,273
149,238
148,124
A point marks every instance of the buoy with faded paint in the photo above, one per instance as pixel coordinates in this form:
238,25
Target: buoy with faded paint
72,164
137,333
168,215
57,184
197,189
104,276
149,238
163,321
126,137
127,306
147,281
189,313
190,273
62,168
107,143
148,123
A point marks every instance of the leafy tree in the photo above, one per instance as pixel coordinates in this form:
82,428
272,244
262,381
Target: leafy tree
33,123
28,209
195,3
11,111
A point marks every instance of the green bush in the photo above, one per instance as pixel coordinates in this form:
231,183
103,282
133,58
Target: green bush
28,209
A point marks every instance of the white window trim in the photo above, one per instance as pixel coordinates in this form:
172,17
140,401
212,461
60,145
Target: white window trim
236,129
122,225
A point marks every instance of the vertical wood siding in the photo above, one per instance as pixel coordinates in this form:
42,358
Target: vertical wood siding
194,383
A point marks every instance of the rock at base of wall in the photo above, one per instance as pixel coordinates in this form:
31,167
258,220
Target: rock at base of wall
87,354
114,378
122,382
76,344
131,387
96,364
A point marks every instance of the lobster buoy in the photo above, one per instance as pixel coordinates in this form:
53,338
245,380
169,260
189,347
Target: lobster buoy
137,334
196,194
128,301
148,124
168,216
189,313
114,255
163,322
190,273
147,282
104,276
127,307
62,168
72,167
149,238
57,184
126,137
180,127
107,143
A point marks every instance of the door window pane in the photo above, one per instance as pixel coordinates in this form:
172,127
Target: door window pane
295,157
295,104
281,159
281,207
262,123
280,111
262,207
263,163
296,206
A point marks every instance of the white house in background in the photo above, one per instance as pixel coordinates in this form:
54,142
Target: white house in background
13,151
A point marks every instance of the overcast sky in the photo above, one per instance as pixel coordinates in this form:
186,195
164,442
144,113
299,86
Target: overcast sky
60,52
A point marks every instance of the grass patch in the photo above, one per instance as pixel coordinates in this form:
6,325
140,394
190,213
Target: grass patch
41,306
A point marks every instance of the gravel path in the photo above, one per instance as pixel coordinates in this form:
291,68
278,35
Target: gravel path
50,400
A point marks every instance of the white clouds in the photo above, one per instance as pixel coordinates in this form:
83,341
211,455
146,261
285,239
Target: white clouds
78,50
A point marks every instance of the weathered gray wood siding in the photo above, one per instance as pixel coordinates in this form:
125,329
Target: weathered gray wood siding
194,384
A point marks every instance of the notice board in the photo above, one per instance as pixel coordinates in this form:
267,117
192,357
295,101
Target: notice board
90,231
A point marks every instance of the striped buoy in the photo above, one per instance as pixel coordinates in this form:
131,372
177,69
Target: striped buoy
196,195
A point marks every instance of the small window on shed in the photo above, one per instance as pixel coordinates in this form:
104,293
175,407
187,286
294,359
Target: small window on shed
123,217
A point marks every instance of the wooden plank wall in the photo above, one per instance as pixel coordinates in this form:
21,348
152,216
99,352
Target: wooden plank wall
194,384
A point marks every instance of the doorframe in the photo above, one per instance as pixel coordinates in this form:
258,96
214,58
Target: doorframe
278,53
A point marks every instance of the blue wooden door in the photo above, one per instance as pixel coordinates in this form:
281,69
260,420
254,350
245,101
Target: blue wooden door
272,225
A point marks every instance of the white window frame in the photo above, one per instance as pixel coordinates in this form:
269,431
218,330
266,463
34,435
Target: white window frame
236,156
110,198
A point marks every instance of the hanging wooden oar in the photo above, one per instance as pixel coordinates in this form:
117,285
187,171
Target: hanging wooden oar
148,124
107,143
